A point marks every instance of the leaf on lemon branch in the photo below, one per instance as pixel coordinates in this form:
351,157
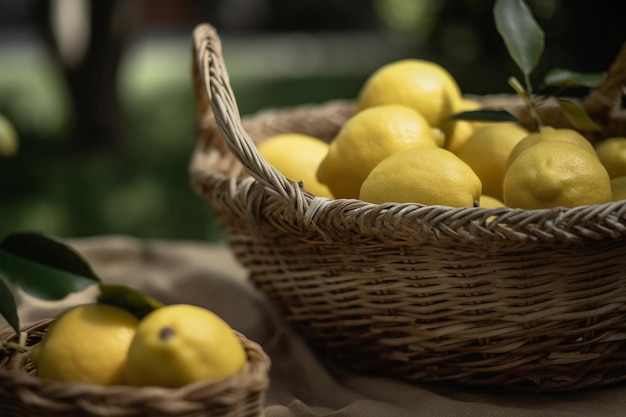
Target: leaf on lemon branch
8,307
559,77
577,116
485,115
522,36
44,267
128,298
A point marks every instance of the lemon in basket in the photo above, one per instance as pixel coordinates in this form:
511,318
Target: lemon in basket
548,133
460,130
487,201
618,188
179,344
297,157
555,173
429,176
612,154
367,138
86,343
486,151
422,85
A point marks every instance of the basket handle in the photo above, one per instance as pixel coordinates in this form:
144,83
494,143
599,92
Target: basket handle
216,101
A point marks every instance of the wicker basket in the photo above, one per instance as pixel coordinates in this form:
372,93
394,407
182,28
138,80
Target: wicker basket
23,394
529,300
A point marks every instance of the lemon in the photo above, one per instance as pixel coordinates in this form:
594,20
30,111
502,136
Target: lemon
367,138
429,176
422,85
618,188
179,344
547,133
462,129
297,157
439,137
86,343
612,154
555,173
486,151
488,201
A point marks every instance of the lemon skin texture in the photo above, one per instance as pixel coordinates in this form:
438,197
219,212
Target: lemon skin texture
297,157
548,133
180,344
428,176
612,154
88,344
487,150
422,85
556,174
366,139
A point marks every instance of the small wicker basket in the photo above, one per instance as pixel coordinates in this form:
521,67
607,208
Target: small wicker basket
23,394
529,300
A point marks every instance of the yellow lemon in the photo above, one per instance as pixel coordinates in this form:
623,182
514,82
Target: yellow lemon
486,151
439,137
422,85
86,343
612,154
547,133
488,201
555,173
468,104
179,344
366,139
618,188
429,176
297,157
462,129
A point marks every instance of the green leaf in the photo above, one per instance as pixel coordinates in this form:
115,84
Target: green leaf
40,280
522,36
577,116
8,307
43,266
49,251
485,115
559,77
128,298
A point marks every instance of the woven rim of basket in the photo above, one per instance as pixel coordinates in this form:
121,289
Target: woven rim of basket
243,392
223,136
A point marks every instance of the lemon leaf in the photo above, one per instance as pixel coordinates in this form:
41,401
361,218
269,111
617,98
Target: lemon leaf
577,116
130,299
44,267
522,36
485,115
8,307
559,77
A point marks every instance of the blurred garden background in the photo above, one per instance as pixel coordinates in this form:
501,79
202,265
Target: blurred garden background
100,92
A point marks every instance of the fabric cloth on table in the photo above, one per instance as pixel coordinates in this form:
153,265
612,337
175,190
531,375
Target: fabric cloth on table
302,384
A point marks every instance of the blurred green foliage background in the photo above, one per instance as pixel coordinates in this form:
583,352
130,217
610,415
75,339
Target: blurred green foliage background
133,180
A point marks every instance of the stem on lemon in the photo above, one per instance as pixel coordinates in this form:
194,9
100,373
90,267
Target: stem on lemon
526,95
22,340
20,345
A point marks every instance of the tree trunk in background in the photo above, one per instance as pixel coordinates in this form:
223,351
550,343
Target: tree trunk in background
92,81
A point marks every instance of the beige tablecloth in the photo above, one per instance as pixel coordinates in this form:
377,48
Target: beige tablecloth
301,383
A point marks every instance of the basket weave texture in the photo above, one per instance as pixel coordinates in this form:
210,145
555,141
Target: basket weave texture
528,300
23,394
